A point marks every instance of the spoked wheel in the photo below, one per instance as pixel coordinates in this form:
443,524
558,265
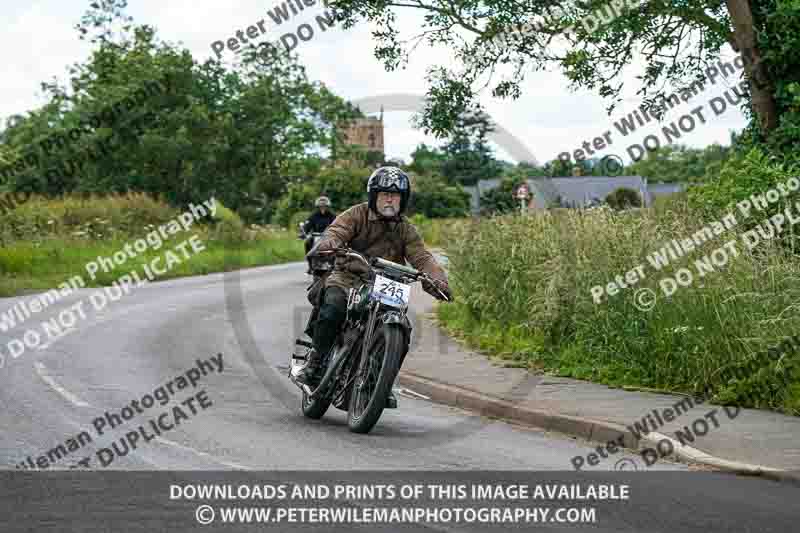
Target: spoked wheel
368,397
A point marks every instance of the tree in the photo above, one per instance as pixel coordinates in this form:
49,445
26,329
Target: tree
679,163
426,160
501,199
469,157
678,40
241,135
435,198
344,186
558,168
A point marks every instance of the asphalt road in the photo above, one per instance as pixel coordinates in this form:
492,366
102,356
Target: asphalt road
250,419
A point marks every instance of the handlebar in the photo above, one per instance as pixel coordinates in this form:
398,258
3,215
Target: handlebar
382,263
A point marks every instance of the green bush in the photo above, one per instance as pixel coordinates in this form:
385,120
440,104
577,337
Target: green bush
624,198
434,198
228,226
744,175
501,199
344,186
83,217
435,232
297,218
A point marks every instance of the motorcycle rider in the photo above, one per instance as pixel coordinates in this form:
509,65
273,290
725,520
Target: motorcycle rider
375,228
320,219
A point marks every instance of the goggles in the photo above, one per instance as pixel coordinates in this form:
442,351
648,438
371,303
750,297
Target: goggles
392,180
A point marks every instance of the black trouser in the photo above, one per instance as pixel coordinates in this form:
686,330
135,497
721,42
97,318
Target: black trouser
332,315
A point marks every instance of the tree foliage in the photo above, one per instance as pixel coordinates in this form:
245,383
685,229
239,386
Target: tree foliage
677,40
679,163
427,160
435,198
241,134
468,156
501,199
345,187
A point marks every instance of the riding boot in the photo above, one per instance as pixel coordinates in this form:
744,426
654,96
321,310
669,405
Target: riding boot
308,375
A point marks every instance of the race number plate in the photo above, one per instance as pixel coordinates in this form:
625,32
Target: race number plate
391,292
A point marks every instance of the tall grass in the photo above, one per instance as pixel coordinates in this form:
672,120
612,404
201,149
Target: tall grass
46,242
523,286
436,231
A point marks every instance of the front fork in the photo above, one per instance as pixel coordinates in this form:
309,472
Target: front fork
390,317
367,344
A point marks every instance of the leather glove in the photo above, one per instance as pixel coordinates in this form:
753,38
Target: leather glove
442,286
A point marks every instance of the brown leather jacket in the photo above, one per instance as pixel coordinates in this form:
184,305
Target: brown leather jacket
364,231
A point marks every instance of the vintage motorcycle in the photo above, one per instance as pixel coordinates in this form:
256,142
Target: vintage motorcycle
316,266
361,367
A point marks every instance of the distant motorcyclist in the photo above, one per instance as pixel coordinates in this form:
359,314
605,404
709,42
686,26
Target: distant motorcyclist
320,219
375,228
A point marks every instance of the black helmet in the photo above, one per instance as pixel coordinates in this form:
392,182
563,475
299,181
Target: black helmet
388,179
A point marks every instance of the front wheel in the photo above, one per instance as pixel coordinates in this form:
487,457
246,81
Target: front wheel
368,397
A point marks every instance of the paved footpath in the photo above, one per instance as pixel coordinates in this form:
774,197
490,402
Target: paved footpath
748,441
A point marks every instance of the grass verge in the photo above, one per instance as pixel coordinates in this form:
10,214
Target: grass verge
523,291
47,242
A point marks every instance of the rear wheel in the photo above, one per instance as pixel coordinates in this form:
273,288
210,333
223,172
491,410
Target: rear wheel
368,397
315,408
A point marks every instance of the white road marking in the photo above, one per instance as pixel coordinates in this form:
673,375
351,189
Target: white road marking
411,394
202,454
42,371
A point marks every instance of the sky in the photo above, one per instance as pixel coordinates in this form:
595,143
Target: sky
40,43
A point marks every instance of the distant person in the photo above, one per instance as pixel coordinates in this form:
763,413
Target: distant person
320,219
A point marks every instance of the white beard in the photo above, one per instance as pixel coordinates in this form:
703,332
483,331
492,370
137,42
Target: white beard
388,211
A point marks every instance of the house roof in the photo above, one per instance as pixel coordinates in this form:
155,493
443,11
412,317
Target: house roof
581,190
